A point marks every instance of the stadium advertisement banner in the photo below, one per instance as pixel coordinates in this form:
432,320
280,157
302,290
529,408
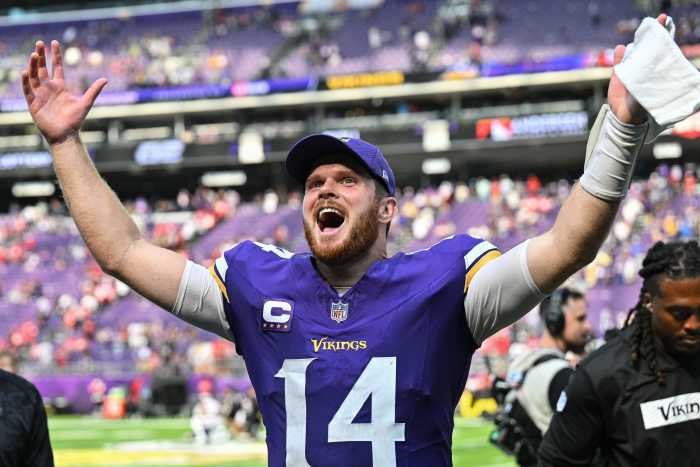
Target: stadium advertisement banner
532,126
138,96
271,86
182,93
379,78
364,80
179,93
25,160
566,62
159,152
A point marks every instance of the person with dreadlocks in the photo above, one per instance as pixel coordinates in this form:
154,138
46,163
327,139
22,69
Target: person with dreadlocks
636,400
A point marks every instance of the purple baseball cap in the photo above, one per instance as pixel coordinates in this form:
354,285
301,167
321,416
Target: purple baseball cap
301,157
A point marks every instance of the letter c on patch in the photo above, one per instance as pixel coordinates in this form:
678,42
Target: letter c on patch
275,311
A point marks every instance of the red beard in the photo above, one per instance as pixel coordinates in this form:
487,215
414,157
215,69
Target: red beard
358,242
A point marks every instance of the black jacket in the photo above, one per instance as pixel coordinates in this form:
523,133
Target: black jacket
24,435
610,405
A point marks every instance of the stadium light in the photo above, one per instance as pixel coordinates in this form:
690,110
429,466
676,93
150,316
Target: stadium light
436,135
250,148
667,150
33,189
436,166
224,178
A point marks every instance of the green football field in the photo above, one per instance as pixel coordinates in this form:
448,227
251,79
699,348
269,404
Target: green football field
89,441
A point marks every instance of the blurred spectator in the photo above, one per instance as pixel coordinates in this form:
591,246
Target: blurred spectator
220,47
8,361
63,314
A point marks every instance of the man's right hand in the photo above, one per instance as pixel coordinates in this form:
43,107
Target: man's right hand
57,113
108,230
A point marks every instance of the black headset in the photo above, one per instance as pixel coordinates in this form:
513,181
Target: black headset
553,313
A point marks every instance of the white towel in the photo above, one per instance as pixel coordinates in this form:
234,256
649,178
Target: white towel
657,74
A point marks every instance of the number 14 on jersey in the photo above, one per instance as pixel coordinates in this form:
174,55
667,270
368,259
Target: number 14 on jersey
377,380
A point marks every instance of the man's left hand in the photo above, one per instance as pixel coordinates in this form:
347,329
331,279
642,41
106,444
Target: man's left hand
621,102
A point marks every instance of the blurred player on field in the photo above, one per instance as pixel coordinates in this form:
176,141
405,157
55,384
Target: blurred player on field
242,412
207,422
356,358
637,398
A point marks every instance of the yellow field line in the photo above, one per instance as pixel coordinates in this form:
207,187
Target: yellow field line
98,457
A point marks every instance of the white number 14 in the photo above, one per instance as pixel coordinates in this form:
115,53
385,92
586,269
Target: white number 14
377,380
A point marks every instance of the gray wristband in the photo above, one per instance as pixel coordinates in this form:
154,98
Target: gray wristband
611,153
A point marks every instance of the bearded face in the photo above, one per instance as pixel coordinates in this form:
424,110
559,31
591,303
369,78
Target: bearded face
577,328
336,239
675,320
340,213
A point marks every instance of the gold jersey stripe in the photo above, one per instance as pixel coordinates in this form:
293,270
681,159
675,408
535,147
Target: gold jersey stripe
491,255
219,282
477,252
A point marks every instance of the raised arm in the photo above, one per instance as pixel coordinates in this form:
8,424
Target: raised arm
509,286
573,242
585,218
104,224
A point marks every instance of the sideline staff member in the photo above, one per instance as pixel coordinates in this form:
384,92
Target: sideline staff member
24,434
638,396
541,375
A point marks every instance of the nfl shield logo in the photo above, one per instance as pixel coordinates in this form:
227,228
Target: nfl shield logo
339,311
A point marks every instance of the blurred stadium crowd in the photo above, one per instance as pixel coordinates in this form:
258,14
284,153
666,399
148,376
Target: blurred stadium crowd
63,315
312,39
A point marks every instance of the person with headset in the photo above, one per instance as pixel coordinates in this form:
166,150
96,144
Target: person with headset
566,326
635,401
537,378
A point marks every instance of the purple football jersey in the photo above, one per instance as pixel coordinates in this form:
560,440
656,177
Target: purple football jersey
371,378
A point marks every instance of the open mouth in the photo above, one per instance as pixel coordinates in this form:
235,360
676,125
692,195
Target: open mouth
329,219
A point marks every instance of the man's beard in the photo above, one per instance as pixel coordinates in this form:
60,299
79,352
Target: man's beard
358,242
579,347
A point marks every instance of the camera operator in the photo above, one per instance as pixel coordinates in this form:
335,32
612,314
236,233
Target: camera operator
536,379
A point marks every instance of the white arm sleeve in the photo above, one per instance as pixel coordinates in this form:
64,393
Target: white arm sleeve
200,302
500,293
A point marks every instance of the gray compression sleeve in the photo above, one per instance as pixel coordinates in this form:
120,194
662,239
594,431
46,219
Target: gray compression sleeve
501,293
611,153
200,301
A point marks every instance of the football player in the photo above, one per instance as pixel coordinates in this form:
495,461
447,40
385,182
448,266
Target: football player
357,358
635,401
